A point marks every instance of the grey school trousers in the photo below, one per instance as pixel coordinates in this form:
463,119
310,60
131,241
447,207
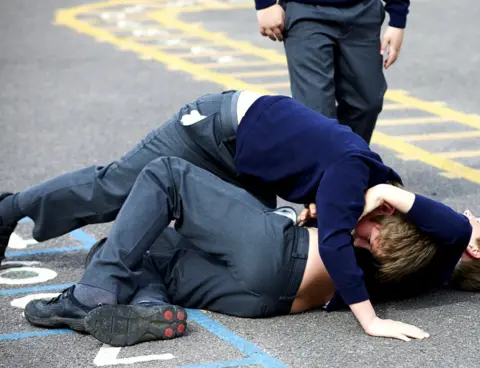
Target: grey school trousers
258,253
96,194
258,256
334,61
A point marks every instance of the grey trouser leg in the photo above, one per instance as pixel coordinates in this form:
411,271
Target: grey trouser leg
224,221
176,271
96,194
333,54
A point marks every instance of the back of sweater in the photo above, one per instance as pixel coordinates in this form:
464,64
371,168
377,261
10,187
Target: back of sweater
308,158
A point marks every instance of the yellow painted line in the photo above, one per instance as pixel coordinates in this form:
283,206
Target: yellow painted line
435,109
67,17
461,154
411,121
168,17
171,36
451,175
391,106
136,27
237,63
261,73
276,85
216,4
175,46
429,158
191,55
440,136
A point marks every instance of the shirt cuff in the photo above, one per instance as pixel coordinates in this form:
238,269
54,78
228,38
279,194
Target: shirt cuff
397,20
354,294
262,4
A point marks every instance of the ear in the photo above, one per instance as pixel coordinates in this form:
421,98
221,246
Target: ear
386,209
473,251
361,243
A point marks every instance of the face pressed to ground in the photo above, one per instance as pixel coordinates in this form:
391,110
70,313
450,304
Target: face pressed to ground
367,234
473,250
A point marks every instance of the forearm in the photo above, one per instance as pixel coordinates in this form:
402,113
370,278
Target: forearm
340,201
444,224
401,199
364,313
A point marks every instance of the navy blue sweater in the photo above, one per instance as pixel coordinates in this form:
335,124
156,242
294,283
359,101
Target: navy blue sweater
451,232
306,157
397,9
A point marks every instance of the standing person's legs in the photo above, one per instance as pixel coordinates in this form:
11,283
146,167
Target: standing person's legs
310,37
359,80
96,194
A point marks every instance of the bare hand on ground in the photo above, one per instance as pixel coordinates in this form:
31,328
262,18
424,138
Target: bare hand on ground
394,329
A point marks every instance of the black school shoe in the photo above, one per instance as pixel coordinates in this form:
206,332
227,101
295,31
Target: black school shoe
125,325
5,231
93,250
63,310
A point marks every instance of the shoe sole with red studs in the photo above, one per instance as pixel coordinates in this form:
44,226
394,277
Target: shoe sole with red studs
125,325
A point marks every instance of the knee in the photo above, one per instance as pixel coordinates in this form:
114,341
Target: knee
372,107
163,164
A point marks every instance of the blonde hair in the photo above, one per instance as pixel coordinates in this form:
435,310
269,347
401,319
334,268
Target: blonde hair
403,247
467,274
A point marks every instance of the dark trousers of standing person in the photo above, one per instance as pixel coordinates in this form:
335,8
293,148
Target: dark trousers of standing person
334,61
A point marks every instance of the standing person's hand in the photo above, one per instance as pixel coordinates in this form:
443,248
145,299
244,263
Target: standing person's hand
271,21
393,38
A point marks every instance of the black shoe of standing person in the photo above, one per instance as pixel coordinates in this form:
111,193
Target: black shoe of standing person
125,325
6,231
62,311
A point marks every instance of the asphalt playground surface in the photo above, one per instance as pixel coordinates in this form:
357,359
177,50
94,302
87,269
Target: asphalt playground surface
81,83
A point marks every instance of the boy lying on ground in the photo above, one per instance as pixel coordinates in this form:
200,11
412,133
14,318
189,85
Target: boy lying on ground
268,145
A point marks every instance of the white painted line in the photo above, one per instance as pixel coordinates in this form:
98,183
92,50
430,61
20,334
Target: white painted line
225,59
134,9
41,275
107,355
107,16
17,242
127,24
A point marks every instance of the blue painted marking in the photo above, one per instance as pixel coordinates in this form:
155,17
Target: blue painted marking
35,289
24,335
255,356
83,237
254,353
225,364
47,251
222,332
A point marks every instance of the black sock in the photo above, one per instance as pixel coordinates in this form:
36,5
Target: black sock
92,296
